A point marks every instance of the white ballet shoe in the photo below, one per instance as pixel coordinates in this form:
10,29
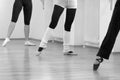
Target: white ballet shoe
68,51
28,43
5,42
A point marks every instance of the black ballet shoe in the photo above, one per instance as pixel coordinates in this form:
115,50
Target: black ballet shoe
96,66
69,53
39,50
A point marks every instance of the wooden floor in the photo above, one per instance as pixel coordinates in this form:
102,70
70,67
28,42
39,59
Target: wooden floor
19,62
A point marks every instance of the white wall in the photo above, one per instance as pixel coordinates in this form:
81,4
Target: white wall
105,17
39,21
79,24
91,22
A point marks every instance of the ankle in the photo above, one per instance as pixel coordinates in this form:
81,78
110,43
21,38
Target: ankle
99,59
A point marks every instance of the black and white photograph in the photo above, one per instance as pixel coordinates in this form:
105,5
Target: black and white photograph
59,40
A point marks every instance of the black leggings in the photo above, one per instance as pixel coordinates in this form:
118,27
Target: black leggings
27,9
70,15
114,27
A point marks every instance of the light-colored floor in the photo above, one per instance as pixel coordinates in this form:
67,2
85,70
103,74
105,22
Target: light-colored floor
19,62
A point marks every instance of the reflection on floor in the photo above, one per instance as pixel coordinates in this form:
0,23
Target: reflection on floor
19,62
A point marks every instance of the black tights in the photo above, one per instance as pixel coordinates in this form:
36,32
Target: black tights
109,40
27,8
70,15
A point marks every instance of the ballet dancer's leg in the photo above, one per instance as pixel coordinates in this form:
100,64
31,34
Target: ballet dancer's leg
109,40
58,10
16,11
27,9
70,15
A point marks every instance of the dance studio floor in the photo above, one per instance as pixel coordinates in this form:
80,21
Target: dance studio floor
19,62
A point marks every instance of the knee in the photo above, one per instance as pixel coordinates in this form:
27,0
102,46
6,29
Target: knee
52,27
27,22
53,24
67,27
14,19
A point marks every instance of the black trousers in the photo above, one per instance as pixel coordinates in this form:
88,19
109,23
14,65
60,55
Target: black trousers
27,9
70,15
114,27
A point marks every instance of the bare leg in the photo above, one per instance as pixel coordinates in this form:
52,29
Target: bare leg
10,31
26,32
